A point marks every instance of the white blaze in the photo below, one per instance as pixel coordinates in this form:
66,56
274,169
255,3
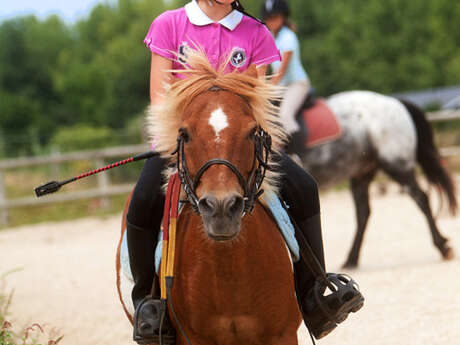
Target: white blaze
218,121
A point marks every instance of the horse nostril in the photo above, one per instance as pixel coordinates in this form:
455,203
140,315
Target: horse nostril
233,206
208,205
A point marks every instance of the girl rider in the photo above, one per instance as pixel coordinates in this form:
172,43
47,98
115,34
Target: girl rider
289,72
220,28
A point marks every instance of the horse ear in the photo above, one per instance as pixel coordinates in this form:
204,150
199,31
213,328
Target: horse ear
252,71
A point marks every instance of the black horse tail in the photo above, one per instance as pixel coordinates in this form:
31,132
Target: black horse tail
428,155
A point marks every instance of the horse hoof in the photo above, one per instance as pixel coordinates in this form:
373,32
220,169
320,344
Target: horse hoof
448,254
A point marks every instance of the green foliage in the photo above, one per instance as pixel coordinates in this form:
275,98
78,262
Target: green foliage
95,72
80,137
386,46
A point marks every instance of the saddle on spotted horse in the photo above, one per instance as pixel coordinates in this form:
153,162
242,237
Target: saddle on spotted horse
317,122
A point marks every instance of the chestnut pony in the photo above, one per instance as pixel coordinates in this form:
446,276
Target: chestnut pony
234,279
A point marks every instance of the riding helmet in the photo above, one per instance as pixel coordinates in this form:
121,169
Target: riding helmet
274,7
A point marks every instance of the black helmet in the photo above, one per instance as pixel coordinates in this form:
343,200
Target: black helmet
273,7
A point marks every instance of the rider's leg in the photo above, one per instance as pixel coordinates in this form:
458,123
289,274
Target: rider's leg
299,190
293,98
143,224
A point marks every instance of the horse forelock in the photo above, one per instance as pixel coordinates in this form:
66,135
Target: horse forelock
166,118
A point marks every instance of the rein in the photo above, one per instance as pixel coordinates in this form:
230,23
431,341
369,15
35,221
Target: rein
251,188
168,252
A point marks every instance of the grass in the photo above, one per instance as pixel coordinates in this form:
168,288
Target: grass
65,211
20,183
29,335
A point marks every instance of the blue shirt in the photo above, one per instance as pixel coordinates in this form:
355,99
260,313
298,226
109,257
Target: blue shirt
286,41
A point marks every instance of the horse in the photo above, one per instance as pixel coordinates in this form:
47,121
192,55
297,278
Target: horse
234,278
380,133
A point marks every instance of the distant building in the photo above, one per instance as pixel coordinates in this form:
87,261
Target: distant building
432,97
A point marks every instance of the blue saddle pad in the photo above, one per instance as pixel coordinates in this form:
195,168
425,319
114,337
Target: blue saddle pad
276,208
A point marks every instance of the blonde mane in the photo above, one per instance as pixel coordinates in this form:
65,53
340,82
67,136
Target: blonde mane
165,118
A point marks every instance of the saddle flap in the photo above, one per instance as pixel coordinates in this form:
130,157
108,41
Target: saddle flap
322,124
273,204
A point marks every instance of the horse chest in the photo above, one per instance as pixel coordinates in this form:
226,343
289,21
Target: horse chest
235,329
236,293
236,305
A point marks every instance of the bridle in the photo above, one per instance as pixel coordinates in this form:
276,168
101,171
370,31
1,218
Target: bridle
251,188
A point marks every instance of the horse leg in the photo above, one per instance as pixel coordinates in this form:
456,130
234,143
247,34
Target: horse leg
360,192
421,199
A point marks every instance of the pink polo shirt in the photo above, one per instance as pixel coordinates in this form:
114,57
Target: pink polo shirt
248,41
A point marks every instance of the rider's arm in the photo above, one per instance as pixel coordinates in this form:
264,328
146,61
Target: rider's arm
286,58
158,76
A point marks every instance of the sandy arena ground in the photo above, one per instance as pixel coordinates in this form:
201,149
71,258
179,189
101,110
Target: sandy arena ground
67,276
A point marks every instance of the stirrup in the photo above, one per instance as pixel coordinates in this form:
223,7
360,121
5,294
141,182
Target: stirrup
327,311
151,321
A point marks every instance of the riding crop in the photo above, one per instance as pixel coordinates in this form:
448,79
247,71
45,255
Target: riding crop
54,186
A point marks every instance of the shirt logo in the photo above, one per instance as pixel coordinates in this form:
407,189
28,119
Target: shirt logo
182,52
238,58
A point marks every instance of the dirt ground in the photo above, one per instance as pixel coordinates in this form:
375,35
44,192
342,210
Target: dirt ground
66,276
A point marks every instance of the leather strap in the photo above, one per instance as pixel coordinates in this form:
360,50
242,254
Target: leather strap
308,256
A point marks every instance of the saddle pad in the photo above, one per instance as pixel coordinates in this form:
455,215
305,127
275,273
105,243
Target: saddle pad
322,124
124,255
274,205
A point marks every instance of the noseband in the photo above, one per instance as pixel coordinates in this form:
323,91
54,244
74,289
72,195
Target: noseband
251,188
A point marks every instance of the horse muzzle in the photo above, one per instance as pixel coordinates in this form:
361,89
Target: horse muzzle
221,217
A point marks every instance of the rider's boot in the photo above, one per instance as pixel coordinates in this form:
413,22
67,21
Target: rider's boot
322,313
297,143
151,313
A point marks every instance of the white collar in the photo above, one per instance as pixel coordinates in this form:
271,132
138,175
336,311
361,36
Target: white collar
197,17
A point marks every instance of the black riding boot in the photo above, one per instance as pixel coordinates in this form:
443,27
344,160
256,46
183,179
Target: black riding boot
149,309
323,313
143,225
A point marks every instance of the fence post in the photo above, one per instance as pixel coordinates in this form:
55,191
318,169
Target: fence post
103,182
3,208
55,166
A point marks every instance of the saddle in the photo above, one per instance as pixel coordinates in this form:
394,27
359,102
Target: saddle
317,121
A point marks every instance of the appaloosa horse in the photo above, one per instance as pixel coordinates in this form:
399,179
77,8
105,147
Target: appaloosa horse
380,133
234,281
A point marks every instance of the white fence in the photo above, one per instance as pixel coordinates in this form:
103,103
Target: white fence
444,115
104,188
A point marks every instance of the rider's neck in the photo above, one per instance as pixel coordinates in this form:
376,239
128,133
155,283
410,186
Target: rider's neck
214,10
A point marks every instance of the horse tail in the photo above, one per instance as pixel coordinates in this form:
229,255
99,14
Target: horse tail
428,155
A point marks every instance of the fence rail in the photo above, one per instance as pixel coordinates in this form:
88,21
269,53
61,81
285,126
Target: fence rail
444,115
104,188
